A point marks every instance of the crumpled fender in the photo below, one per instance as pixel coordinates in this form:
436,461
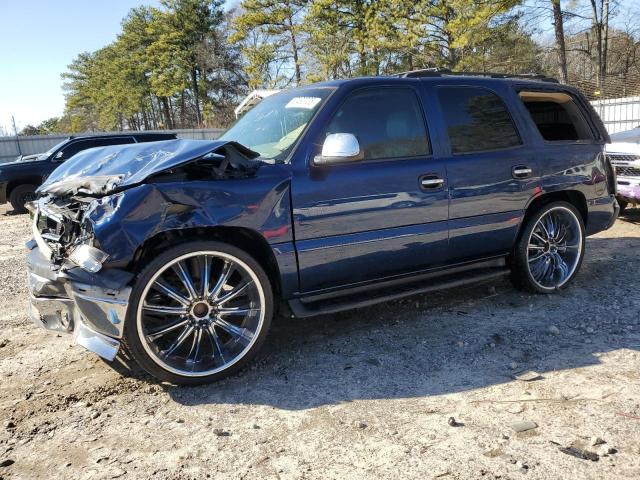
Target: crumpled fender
122,222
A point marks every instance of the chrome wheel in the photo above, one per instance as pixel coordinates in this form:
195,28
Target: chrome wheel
201,313
554,248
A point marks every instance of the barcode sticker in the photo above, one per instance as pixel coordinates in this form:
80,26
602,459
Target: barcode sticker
303,102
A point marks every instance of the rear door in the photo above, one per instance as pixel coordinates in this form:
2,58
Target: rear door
382,216
491,173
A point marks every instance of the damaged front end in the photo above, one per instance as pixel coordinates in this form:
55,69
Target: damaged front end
68,292
74,287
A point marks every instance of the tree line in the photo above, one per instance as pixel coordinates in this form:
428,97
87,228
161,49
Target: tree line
188,63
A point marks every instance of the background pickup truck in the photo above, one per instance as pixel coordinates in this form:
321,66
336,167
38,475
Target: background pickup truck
624,154
19,179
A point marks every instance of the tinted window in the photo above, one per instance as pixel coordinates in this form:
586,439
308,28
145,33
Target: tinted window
387,122
557,116
477,120
80,145
155,138
105,142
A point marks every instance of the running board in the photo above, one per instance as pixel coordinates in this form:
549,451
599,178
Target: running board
310,306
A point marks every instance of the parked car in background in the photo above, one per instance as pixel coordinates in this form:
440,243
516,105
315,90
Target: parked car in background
20,179
319,199
624,154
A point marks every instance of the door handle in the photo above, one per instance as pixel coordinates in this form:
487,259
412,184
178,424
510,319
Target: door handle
431,182
521,171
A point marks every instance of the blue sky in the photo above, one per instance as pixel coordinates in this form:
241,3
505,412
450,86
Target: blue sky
38,39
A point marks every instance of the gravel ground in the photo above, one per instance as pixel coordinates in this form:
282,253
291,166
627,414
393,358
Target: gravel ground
434,386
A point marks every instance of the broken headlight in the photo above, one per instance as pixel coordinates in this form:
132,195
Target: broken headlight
88,258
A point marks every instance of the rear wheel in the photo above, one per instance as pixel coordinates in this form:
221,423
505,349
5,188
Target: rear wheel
21,195
550,249
199,312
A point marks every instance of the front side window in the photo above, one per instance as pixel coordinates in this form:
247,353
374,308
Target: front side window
387,122
272,127
477,120
557,116
73,148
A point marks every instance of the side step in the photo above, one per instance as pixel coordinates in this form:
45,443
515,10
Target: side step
310,306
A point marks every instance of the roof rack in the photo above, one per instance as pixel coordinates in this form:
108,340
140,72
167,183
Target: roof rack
441,72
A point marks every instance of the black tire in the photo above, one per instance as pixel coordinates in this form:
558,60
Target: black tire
20,195
521,275
623,205
132,338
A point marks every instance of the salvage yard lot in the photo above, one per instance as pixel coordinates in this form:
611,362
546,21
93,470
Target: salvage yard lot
363,394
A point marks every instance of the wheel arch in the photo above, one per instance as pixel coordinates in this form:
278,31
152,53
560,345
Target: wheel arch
574,197
27,180
246,239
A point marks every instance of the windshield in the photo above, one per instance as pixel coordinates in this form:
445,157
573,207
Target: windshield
273,126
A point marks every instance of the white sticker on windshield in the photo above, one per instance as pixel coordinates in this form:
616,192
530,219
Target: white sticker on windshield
303,102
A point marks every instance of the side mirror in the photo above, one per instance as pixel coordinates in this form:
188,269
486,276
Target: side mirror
59,156
339,148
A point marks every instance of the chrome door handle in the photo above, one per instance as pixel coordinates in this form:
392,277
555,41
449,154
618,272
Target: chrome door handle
431,182
521,171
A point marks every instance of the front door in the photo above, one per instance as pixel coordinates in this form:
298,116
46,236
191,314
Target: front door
382,216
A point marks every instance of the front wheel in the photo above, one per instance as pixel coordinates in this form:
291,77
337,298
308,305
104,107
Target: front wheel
198,312
550,249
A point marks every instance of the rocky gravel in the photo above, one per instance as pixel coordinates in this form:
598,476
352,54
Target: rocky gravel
479,382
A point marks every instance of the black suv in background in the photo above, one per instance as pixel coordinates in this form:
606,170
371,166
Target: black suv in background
19,179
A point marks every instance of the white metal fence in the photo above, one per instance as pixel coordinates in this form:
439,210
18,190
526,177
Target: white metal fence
12,147
619,114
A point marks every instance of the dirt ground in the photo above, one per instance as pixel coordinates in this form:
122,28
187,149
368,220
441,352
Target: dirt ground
363,394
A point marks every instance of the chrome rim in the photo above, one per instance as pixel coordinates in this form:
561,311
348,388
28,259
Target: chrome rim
201,313
554,248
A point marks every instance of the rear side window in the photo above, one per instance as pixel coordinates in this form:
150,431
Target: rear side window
477,120
387,122
80,145
557,116
105,142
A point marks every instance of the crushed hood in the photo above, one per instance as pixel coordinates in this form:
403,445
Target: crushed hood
103,170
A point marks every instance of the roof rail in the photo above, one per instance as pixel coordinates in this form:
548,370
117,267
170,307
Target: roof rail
441,72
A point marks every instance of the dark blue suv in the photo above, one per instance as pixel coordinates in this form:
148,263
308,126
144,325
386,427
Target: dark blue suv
322,198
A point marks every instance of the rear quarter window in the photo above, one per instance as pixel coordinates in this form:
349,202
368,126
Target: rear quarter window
557,115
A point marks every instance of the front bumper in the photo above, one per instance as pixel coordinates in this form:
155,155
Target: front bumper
91,306
3,192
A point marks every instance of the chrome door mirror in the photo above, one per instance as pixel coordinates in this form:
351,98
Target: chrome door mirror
339,148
